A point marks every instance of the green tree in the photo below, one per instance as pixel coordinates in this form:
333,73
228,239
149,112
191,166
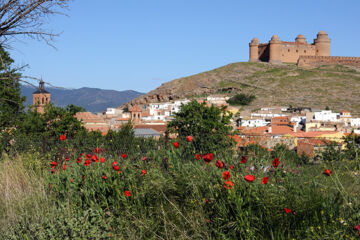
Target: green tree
209,127
241,99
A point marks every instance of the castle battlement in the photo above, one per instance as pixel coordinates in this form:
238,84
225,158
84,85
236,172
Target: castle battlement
277,51
316,61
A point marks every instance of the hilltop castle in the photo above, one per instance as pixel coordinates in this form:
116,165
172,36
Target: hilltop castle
300,52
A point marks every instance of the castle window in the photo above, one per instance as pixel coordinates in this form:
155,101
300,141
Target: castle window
297,50
288,50
304,51
42,100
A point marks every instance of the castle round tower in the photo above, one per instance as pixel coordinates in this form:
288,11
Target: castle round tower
275,49
322,44
300,39
254,50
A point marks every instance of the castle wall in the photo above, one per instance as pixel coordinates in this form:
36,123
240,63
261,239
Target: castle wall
290,52
316,61
264,52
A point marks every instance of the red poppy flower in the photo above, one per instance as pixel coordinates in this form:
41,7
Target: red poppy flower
276,162
197,156
104,177
119,172
87,162
327,172
265,180
231,167
207,201
62,137
144,159
219,164
95,158
243,160
189,138
81,154
143,172
83,176
287,210
88,155
249,178
53,163
67,159
97,150
78,160
124,155
176,144
208,157
228,184
102,160
208,220
64,167
50,185
226,175
116,167
357,227
71,180
53,170
114,163
127,193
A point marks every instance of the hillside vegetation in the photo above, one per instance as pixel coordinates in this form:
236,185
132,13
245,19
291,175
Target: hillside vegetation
334,86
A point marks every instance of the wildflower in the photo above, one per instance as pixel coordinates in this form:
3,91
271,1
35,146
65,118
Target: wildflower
219,164
50,185
87,162
53,163
176,144
207,201
114,163
83,177
71,180
124,155
102,160
81,154
228,185
243,160
327,172
95,158
249,178
265,180
226,175
357,227
143,172
287,210
231,167
189,138
116,167
78,160
127,193
208,157
53,170
64,167
62,137
119,172
208,220
276,162
97,150
104,177
144,159
197,156
67,159
88,155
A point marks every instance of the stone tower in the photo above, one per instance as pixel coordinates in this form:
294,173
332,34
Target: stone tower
41,97
254,50
136,114
322,44
275,49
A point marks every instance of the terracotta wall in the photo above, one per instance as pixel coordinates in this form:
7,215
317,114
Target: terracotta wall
316,61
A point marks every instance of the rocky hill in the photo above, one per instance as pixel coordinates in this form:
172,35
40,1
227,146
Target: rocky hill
92,99
336,86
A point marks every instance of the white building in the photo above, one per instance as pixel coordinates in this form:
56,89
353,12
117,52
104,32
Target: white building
113,111
355,122
253,123
326,116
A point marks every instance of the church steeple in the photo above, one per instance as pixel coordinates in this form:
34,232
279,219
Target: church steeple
41,97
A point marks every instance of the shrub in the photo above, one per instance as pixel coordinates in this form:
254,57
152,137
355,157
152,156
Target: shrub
241,99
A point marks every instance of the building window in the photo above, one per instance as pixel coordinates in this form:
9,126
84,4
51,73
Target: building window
297,50
304,51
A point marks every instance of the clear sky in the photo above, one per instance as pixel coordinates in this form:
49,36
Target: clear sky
140,44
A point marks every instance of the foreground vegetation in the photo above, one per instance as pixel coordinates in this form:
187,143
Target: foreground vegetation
145,191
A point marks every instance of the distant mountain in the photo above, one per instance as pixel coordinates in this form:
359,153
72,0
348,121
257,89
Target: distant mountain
92,99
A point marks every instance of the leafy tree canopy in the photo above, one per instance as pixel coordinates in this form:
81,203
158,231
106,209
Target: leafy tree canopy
209,127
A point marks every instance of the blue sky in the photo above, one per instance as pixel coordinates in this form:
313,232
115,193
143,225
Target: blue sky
140,44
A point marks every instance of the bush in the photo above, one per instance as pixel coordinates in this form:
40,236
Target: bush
241,99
